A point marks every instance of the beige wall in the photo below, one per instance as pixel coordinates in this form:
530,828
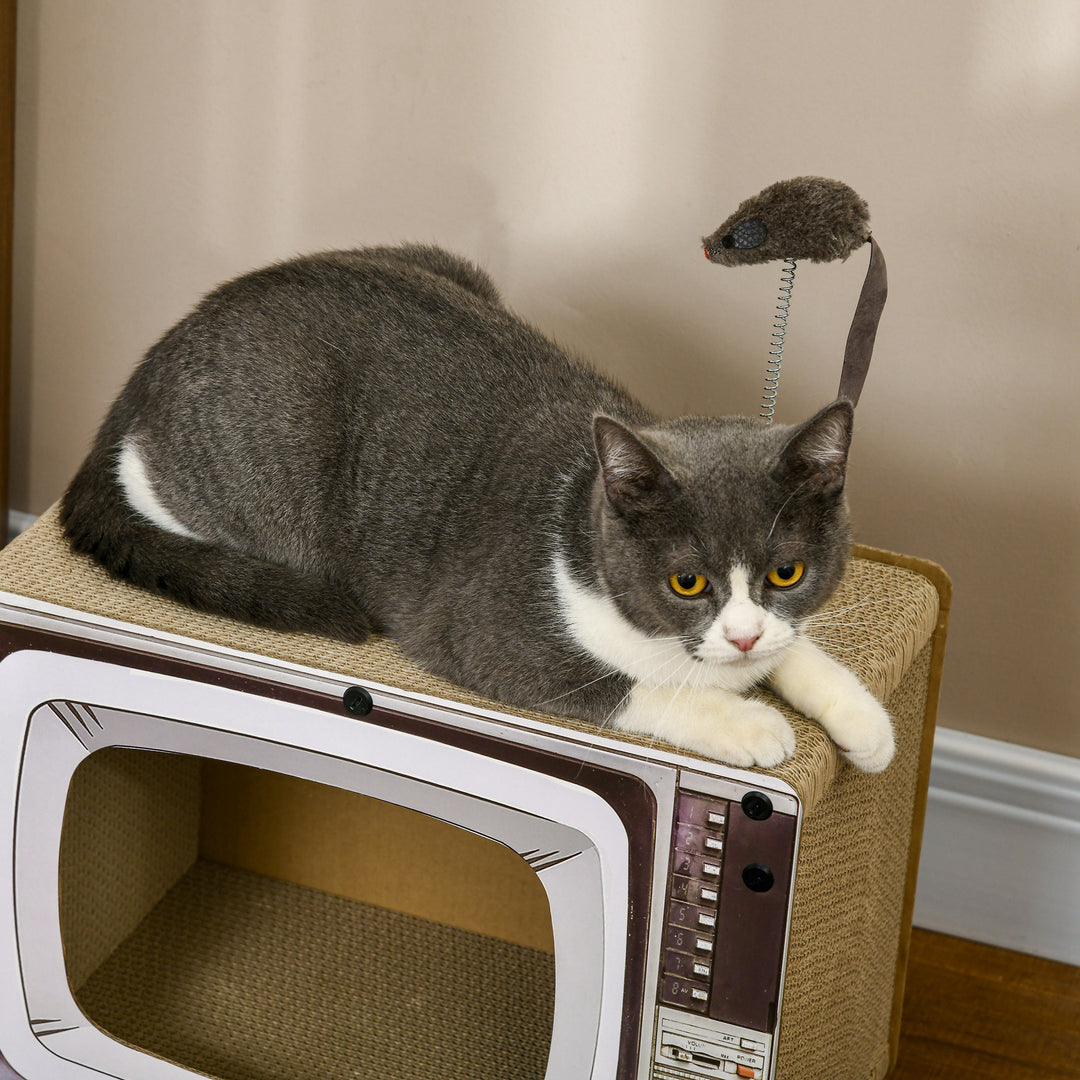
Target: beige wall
579,150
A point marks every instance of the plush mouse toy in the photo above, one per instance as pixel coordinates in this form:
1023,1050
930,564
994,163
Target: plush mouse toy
805,218
809,217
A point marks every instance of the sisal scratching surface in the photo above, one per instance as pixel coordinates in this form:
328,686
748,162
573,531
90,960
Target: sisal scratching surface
243,977
131,828
849,911
877,623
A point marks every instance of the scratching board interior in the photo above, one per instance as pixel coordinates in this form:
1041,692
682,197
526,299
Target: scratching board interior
232,921
247,976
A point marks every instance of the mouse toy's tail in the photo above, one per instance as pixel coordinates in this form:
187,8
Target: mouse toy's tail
815,218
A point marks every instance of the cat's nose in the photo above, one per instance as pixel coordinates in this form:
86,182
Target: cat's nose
744,644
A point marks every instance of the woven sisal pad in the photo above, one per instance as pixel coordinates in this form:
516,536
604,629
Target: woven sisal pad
243,977
851,909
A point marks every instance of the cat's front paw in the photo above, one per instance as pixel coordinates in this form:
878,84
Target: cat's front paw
862,730
715,723
829,693
751,734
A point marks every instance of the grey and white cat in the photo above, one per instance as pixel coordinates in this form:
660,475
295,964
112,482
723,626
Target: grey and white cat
369,441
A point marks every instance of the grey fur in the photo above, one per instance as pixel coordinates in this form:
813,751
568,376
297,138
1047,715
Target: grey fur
369,441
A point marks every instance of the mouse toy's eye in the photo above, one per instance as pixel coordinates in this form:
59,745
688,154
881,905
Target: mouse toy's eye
784,577
747,234
689,584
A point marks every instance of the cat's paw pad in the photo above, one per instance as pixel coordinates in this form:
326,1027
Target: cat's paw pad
863,731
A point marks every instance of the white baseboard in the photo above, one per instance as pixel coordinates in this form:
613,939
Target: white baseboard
18,522
1001,851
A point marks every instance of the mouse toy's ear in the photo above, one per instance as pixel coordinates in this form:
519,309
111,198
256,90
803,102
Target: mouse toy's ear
809,217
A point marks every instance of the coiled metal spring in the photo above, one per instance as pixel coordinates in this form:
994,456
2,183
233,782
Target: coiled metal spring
776,350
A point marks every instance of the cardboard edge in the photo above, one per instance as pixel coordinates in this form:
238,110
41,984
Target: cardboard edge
941,581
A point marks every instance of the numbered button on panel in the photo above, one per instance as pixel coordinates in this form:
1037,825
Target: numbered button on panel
698,841
688,940
698,968
698,810
704,867
684,993
691,891
697,918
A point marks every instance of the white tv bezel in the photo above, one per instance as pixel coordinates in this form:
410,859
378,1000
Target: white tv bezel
508,803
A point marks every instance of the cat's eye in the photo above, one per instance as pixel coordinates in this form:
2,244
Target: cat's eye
785,576
688,584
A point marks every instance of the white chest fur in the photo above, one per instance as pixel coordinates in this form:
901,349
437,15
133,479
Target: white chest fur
602,630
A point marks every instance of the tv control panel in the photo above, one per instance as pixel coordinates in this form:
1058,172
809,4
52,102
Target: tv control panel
685,1049
693,897
725,935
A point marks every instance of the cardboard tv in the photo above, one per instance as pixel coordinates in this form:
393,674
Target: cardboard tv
241,854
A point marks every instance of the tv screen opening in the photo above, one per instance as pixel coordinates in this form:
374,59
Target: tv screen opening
210,880
294,929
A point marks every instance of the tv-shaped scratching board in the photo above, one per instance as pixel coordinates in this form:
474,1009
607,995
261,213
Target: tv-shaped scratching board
219,864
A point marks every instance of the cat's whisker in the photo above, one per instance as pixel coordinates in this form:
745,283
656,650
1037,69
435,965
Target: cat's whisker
783,507
837,631
606,722
828,633
660,678
843,617
682,686
840,644
663,643
643,689
331,345
833,648
874,598
840,614
569,693
840,620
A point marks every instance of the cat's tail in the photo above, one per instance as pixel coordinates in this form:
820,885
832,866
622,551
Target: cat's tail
99,522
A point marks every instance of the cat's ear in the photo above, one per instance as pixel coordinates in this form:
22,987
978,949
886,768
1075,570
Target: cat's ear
815,456
635,480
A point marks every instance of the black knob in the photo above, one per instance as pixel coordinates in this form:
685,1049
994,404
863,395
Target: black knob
357,701
757,805
757,878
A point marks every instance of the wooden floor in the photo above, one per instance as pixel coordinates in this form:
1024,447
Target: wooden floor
972,1012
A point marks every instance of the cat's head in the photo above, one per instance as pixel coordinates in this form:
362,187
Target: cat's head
722,533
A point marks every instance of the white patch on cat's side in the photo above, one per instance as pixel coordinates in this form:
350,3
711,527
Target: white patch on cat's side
139,492
602,630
